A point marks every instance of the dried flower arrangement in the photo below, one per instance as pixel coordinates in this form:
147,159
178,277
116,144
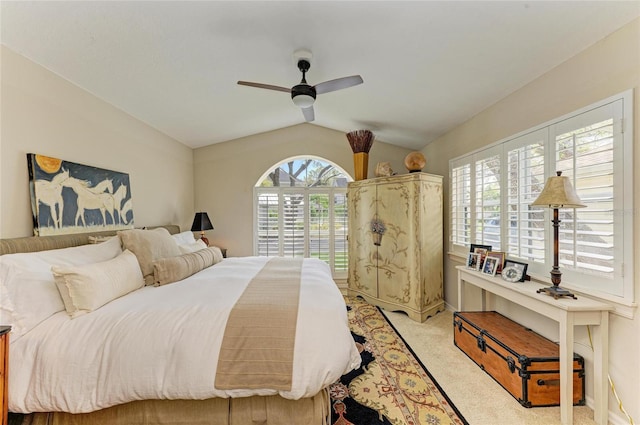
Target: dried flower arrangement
377,226
360,140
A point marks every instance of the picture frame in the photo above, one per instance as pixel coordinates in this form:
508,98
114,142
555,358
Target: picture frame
521,267
68,197
511,274
480,249
490,266
473,261
500,255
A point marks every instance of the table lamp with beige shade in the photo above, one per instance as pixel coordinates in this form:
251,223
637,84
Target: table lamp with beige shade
557,193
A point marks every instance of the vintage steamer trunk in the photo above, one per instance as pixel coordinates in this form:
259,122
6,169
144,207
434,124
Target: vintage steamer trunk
525,364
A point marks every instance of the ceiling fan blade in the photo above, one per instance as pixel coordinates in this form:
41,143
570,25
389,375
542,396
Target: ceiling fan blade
308,113
338,84
264,86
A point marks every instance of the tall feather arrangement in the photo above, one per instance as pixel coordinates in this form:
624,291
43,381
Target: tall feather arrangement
360,140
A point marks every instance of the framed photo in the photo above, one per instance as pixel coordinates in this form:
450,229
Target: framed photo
521,268
473,261
500,256
490,265
480,249
511,274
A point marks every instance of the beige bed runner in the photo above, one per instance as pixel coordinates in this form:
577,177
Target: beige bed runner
257,347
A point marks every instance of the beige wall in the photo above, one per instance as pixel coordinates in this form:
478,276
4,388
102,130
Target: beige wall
609,67
226,173
43,113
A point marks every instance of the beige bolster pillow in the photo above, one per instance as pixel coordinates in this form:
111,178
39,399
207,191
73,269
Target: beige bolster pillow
173,269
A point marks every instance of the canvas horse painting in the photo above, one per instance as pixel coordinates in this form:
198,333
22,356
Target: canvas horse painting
70,198
118,197
50,194
92,198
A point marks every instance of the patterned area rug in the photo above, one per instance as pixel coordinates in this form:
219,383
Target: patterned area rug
392,387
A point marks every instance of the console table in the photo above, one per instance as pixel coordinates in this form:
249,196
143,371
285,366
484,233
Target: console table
568,313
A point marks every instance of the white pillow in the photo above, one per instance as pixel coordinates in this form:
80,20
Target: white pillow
192,247
90,286
149,246
28,293
184,238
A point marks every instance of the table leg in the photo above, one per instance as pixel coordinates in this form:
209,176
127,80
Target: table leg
601,370
566,368
484,300
460,293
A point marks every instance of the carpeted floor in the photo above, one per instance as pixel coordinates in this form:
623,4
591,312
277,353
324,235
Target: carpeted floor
479,398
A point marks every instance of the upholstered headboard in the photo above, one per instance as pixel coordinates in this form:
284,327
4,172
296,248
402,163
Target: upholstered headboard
44,243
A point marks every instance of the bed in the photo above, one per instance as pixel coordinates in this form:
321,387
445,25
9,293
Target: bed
161,354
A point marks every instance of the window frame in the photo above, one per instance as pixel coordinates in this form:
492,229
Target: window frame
623,196
306,192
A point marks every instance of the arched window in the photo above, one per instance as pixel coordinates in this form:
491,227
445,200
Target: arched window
300,210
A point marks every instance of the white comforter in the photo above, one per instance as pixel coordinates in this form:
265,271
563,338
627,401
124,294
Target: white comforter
163,342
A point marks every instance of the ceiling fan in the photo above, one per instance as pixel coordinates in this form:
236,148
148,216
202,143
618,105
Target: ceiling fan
303,94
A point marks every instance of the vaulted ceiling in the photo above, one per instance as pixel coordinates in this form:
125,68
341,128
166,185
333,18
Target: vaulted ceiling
427,66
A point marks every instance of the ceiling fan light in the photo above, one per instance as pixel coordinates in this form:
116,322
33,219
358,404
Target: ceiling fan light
303,100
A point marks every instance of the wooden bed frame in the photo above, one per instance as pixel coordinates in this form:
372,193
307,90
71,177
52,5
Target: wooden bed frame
256,410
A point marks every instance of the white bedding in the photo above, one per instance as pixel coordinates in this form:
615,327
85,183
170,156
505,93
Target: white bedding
162,343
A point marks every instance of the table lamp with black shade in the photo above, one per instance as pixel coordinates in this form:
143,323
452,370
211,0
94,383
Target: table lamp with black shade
201,223
557,193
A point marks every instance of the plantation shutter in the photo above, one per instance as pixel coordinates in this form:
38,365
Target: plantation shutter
293,225
460,196
319,239
586,152
268,227
487,199
525,227
341,228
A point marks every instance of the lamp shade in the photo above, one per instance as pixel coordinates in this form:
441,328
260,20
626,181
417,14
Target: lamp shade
201,222
558,193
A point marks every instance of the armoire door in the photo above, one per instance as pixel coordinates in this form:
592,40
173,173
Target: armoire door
398,254
363,275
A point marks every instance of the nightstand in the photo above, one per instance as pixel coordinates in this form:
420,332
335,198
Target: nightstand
4,373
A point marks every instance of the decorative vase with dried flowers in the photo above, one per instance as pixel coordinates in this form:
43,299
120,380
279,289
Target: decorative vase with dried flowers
360,142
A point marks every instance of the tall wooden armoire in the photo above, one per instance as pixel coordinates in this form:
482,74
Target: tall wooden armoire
395,243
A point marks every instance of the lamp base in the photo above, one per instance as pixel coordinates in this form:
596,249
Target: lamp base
205,240
556,292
